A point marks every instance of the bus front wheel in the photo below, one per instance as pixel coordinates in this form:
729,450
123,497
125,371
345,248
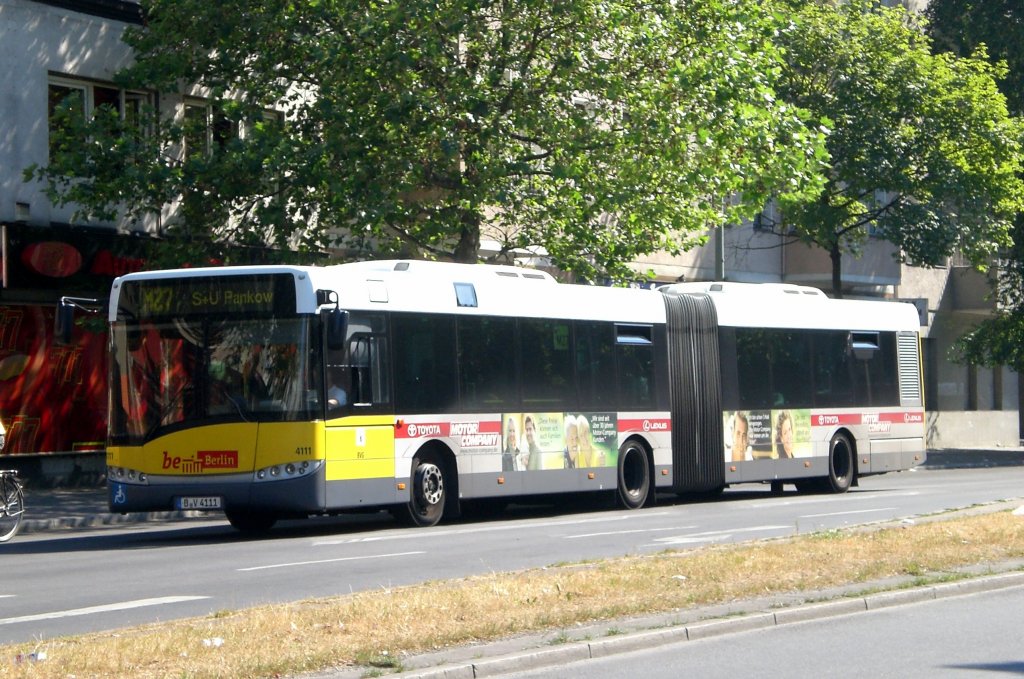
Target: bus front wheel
427,496
634,475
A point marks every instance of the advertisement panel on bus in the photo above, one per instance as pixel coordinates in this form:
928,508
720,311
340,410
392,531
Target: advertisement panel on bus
791,433
523,441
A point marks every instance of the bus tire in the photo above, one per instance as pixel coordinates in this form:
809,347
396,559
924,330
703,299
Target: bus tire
427,495
634,486
250,522
840,465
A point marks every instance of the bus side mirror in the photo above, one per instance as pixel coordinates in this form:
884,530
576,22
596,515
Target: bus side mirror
63,323
64,318
336,321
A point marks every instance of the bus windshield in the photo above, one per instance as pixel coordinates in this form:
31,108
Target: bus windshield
175,372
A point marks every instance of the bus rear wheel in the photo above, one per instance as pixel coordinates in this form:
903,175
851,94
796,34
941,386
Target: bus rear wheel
840,465
634,475
427,495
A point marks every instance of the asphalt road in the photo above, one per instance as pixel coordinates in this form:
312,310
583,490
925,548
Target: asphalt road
975,635
65,583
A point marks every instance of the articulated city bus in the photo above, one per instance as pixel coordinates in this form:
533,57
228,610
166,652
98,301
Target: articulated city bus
272,392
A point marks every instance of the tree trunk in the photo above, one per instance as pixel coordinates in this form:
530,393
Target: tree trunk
467,250
837,270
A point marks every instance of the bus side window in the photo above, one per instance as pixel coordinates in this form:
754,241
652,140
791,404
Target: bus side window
754,369
595,364
485,381
360,368
833,371
636,368
773,368
875,372
547,371
635,353
424,363
791,367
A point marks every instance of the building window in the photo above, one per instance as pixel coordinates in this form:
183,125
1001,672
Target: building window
71,100
769,220
66,104
207,129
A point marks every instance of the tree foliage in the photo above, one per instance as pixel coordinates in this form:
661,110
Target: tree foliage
923,150
964,26
598,130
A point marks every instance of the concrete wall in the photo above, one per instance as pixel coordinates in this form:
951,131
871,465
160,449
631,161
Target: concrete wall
973,429
753,256
876,266
750,257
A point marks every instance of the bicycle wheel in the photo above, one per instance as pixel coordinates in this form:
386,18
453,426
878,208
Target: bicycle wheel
12,507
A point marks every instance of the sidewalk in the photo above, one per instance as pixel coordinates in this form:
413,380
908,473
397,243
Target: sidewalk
86,507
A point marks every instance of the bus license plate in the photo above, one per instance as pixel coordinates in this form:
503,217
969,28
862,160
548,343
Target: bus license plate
212,502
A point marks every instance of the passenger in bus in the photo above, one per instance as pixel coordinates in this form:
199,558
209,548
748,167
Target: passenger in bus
226,390
740,436
784,434
510,455
572,442
337,392
254,388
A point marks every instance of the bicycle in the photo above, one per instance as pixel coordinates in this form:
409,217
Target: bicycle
12,504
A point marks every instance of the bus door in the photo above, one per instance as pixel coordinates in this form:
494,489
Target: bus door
360,431
695,387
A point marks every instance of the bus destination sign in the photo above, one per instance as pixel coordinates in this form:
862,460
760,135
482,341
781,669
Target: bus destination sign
211,295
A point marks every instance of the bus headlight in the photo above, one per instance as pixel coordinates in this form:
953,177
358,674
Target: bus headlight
126,475
290,470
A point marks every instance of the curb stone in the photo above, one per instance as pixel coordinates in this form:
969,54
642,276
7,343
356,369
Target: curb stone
97,520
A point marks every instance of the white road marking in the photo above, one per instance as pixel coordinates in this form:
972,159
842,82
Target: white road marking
668,542
319,561
489,528
713,536
107,608
626,532
856,511
859,496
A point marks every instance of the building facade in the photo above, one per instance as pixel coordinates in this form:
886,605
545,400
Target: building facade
53,397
